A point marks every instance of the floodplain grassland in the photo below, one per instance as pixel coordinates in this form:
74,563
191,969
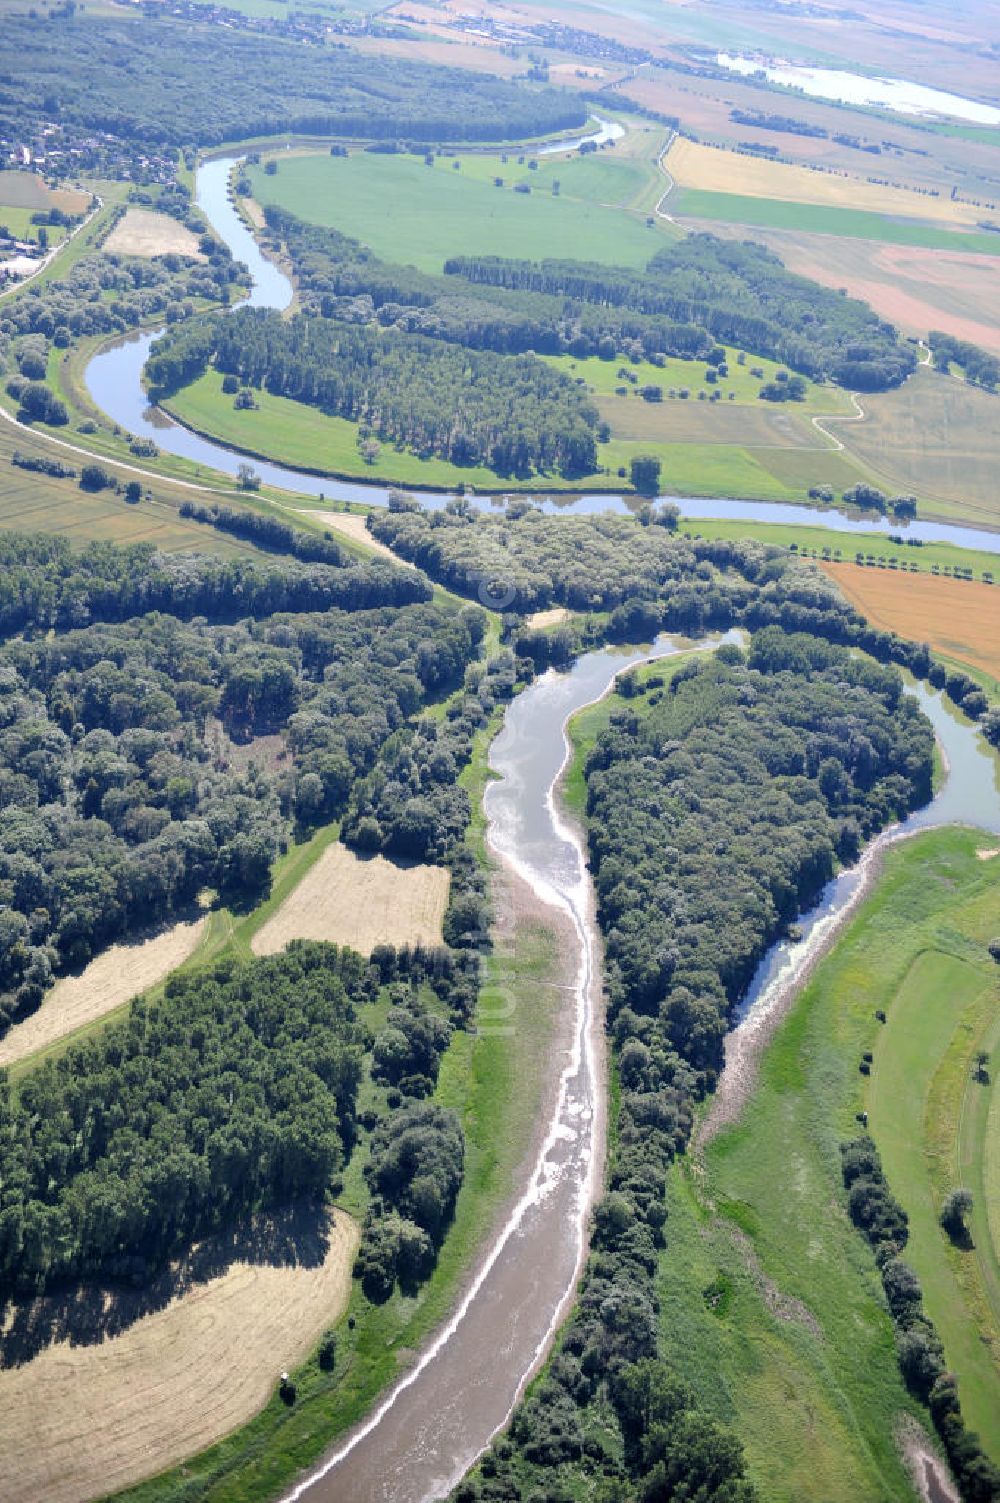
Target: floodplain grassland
935,438
772,1302
419,215
604,378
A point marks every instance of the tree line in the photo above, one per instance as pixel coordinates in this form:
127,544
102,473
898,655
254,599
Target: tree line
47,584
228,85
513,414
883,1222
739,291
340,278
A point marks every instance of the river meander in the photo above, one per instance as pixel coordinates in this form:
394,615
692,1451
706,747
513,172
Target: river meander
114,381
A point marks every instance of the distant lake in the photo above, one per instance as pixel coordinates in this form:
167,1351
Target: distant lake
853,88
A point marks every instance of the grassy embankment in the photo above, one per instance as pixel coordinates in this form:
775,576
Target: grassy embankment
771,1305
798,1334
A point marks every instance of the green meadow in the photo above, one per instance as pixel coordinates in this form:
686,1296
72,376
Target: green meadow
825,219
418,215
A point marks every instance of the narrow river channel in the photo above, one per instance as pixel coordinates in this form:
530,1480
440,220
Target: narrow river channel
424,1436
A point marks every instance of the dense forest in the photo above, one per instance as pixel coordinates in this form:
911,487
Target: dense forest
227,85
740,292
237,1092
111,294
718,802
648,580
45,583
513,414
118,805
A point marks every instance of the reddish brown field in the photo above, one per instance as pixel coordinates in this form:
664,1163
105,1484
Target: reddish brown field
959,619
917,290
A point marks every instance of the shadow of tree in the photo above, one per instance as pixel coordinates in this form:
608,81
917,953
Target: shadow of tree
86,1314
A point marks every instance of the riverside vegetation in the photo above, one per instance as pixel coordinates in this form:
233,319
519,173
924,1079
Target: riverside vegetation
718,803
341,663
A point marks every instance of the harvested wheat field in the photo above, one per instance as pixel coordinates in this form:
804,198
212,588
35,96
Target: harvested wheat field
143,233
693,165
361,901
112,1388
109,981
539,620
953,616
353,527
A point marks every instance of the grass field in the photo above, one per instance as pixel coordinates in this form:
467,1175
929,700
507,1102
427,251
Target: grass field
705,465
922,1092
957,618
449,212
171,1368
714,170
938,439
360,901
826,219
602,377
110,980
803,1349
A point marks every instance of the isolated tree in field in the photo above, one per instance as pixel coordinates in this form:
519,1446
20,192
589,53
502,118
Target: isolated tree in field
957,1205
646,474
247,478
995,943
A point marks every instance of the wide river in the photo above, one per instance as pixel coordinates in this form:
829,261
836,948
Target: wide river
461,1388
114,380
